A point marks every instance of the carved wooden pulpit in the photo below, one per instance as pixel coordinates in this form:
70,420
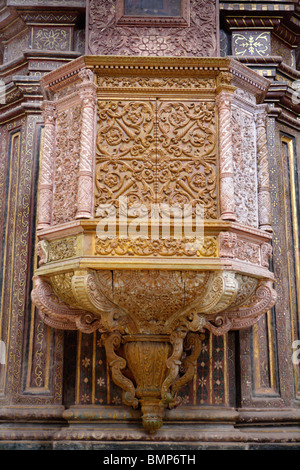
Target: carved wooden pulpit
153,213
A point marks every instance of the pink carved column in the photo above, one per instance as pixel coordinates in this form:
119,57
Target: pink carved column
227,202
47,166
264,201
85,195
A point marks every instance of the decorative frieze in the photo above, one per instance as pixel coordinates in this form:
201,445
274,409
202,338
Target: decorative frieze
174,83
192,247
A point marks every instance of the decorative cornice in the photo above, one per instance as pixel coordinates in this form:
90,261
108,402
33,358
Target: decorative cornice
196,67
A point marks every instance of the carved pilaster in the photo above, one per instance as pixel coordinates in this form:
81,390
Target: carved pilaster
86,161
227,205
46,181
264,201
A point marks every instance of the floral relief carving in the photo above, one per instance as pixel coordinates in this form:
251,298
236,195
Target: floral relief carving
247,251
125,152
186,166
157,82
244,165
105,37
163,247
66,165
161,153
62,249
232,246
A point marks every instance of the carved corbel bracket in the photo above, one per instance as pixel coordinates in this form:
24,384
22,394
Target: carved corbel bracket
59,314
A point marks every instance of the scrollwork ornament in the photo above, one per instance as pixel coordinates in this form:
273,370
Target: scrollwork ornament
173,364
112,342
193,341
54,311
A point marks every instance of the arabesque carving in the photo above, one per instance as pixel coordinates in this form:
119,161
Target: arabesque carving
164,133
157,152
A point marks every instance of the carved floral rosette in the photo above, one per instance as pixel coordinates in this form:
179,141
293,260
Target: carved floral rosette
164,132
